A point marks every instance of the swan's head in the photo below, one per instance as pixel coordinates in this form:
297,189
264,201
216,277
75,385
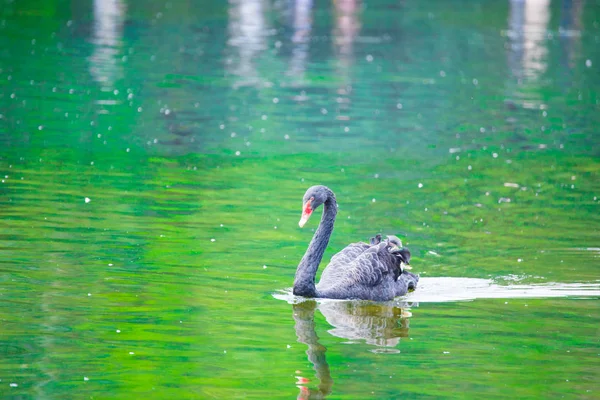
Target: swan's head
313,198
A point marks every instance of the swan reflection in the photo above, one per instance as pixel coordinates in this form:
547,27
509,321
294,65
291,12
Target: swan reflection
381,325
378,324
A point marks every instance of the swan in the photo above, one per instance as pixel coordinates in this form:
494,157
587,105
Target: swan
373,271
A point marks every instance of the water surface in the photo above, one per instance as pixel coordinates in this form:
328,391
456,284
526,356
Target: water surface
153,158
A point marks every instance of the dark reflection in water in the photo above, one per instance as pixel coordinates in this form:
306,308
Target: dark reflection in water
379,324
304,315
570,32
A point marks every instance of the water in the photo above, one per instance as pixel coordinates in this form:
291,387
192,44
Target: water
153,158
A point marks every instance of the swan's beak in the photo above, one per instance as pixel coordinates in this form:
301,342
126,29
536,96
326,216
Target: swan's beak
306,212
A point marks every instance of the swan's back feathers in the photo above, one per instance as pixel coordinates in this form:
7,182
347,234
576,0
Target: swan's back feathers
360,270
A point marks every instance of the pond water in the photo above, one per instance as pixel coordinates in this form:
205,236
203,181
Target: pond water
153,158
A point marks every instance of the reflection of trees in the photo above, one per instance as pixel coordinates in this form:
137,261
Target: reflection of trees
378,324
247,26
105,65
570,31
345,30
302,27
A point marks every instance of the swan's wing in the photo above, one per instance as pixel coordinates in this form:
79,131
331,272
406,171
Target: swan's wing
360,265
339,262
348,254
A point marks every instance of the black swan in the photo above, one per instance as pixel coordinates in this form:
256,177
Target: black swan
361,271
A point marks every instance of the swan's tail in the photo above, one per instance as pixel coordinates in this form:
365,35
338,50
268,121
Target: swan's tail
394,245
396,249
403,254
375,240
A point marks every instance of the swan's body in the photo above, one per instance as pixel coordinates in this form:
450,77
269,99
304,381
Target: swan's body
360,271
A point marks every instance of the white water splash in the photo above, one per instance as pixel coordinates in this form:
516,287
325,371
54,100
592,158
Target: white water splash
433,290
438,290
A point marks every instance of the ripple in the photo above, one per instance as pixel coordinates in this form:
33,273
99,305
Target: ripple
447,289
444,289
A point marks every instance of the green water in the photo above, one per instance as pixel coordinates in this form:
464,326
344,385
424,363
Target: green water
153,158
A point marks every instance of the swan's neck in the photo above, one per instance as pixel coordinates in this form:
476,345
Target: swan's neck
304,283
